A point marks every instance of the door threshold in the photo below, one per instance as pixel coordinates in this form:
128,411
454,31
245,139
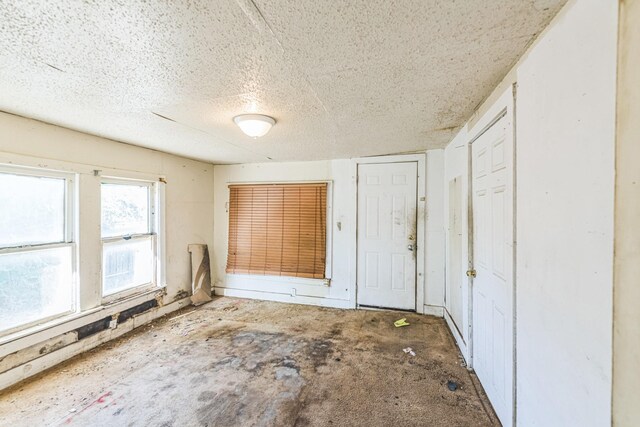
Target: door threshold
381,308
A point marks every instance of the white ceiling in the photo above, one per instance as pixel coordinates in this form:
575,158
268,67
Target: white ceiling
342,78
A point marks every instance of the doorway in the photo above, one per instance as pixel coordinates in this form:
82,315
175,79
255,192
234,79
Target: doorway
492,197
387,235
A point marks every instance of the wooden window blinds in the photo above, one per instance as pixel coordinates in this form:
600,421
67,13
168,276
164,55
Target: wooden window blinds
278,229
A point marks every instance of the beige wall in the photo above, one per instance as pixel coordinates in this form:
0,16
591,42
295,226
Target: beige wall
626,330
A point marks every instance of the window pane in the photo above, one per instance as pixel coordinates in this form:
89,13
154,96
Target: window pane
125,209
35,285
32,210
127,264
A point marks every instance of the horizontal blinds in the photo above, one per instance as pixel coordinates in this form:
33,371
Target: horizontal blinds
278,229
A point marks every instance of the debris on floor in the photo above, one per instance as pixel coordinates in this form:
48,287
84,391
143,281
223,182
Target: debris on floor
463,363
401,322
409,350
452,385
326,368
200,272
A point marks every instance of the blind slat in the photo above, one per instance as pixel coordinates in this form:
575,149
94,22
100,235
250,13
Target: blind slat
277,229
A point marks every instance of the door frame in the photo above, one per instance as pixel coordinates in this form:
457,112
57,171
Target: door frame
421,216
504,106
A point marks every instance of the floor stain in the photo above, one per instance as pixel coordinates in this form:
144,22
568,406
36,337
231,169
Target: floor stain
234,362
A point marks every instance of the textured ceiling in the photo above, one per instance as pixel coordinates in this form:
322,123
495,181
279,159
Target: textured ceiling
343,78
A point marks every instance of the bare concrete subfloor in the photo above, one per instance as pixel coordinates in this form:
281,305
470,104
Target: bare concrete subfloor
236,362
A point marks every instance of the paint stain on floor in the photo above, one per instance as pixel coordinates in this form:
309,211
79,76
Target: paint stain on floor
235,362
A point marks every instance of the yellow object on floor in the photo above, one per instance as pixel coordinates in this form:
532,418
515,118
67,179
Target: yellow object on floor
401,322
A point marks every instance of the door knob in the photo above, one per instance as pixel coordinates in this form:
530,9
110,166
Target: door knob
471,273
410,247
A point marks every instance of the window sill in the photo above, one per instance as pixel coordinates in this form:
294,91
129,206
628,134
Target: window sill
76,316
283,279
126,294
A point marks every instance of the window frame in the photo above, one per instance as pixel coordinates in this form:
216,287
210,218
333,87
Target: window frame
153,232
70,236
328,269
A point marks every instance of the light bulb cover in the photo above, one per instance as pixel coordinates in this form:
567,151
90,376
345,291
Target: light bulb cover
254,125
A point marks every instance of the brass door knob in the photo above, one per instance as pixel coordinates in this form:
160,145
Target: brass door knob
471,273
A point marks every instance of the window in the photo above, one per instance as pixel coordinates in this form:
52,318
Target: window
278,229
128,235
37,248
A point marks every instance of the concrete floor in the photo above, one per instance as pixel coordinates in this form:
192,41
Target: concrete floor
236,362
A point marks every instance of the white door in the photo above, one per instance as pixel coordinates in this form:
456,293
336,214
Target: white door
386,274
492,204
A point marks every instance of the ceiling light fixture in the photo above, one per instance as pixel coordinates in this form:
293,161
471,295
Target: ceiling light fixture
254,125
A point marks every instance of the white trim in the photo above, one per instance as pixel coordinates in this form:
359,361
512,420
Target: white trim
161,240
283,297
127,238
35,248
128,292
37,171
396,158
36,334
60,166
421,203
282,279
287,182
462,346
328,257
40,364
433,310
124,180
277,285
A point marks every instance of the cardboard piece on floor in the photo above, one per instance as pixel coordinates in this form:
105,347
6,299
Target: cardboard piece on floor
200,274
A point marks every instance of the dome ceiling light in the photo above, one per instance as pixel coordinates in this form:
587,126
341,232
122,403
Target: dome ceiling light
254,125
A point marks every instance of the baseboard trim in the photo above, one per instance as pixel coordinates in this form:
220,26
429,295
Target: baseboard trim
433,310
35,366
277,297
462,345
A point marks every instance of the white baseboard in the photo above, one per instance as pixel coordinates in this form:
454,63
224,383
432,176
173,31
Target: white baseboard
32,336
433,310
277,297
462,345
40,364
